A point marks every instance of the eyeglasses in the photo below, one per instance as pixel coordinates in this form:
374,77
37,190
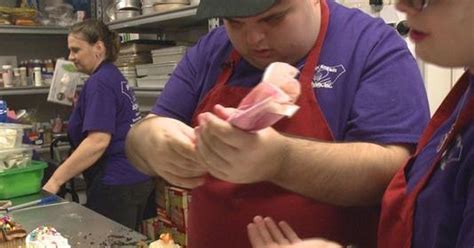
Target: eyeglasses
416,4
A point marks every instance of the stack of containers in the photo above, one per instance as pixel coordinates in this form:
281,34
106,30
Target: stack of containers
172,213
127,9
19,175
147,7
157,74
160,6
130,74
136,52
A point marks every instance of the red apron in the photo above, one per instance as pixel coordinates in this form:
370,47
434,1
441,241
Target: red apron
398,205
220,211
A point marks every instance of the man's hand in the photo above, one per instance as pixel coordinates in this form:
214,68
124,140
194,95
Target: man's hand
165,147
236,156
265,233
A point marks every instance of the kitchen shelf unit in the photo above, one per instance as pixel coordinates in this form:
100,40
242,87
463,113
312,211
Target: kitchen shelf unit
180,25
153,92
24,91
153,23
37,30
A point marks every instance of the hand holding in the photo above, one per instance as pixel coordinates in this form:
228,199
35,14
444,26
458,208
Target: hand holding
236,156
167,149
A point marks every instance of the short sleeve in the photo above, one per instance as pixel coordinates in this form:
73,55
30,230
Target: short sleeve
466,230
390,103
179,98
100,108
193,77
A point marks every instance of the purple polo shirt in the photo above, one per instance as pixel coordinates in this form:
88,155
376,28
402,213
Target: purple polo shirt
367,83
444,211
107,104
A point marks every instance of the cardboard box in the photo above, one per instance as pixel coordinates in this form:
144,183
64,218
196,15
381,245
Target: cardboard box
179,199
161,194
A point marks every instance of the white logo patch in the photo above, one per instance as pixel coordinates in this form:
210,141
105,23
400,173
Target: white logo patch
130,95
453,154
326,76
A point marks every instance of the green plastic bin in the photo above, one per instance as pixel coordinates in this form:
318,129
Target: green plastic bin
21,181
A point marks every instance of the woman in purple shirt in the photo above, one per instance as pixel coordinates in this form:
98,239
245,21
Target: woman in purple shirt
97,128
430,201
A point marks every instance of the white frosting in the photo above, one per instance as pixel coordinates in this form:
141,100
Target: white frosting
162,244
46,237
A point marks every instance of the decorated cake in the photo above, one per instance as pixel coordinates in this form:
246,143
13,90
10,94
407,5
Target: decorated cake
12,234
46,237
165,241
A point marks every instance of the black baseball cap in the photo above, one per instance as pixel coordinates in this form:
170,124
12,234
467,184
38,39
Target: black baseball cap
233,8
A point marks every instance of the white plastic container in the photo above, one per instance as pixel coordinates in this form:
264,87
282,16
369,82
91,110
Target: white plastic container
168,50
162,69
18,157
167,58
152,81
168,55
11,135
23,77
7,76
38,77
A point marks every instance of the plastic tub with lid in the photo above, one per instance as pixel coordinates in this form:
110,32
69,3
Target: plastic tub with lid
11,135
15,157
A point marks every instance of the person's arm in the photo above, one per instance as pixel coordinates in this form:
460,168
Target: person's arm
344,174
86,154
163,142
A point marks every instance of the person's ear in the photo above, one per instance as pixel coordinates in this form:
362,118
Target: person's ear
99,49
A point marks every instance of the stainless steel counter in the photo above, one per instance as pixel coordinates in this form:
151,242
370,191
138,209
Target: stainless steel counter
82,226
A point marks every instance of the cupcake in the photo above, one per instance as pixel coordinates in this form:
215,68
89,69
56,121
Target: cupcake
165,241
46,237
12,234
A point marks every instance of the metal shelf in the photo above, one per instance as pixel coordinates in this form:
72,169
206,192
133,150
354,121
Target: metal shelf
39,30
175,19
147,92
24,91
154,92
45,148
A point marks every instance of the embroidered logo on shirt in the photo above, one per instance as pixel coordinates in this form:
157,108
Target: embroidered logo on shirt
129,94
326,76
452,154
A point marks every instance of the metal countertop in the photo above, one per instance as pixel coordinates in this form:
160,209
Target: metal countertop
82,226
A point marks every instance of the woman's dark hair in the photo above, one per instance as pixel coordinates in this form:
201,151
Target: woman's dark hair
93,31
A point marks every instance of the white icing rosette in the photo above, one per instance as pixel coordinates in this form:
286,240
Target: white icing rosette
46,237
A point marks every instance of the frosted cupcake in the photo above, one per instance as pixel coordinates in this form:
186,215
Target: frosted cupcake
12,235
165,241
46,237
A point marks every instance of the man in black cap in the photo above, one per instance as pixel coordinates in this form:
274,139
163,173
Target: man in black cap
362,109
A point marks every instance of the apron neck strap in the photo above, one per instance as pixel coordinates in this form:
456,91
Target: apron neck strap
446,108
